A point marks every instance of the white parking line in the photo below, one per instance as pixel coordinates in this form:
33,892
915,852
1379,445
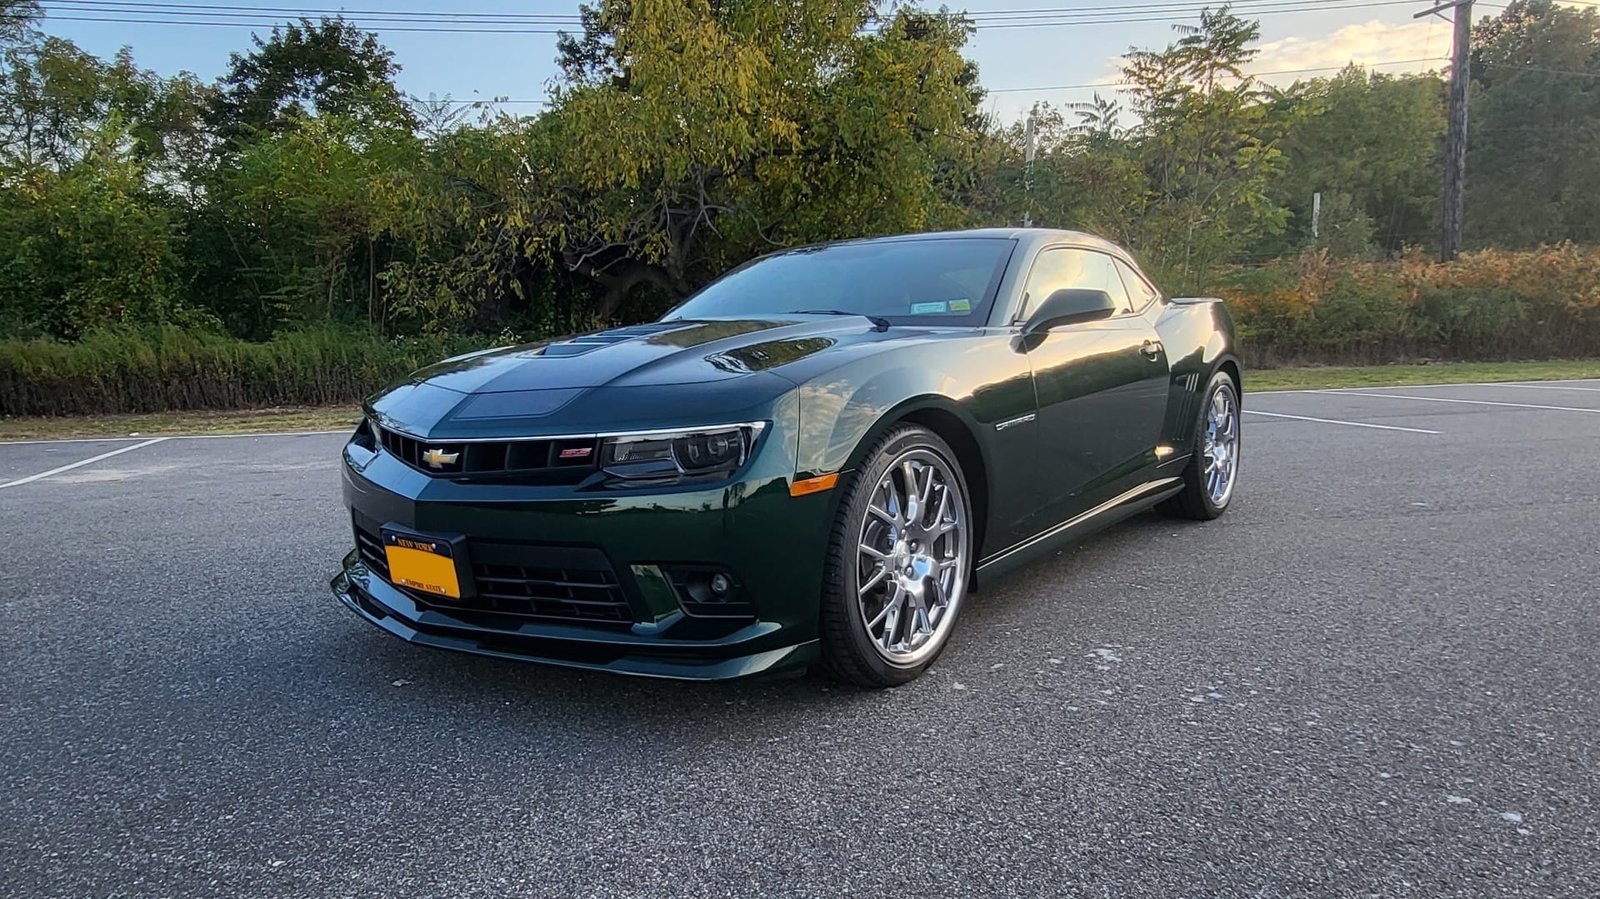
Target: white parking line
345,431
1440,399
1344,423
1335,421
90,461
1547,387
70,440
175,437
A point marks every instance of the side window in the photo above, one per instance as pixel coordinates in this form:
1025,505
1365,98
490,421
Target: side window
1055,270
1139,290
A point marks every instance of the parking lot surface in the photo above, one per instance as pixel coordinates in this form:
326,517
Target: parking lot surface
1376,675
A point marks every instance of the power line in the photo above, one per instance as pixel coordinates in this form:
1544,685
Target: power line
424,29
210,11
1085,86
1095,18
154,7
240,9
1114,84
1368,65
147,12
1147,7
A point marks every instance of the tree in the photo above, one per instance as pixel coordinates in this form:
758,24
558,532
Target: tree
307,69
689,135
1536,127
1085,174
17,19
53,95
1207,148
1379,181
87,245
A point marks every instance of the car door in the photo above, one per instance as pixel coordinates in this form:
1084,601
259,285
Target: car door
1101,389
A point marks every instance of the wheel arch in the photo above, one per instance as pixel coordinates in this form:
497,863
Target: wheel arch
944,417
1231,366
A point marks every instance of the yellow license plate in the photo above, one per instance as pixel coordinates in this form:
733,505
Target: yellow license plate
418,564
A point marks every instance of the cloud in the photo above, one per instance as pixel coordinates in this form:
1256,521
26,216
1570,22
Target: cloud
1412,47
1424,44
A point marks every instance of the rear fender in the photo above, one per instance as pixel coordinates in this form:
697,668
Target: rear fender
1199,335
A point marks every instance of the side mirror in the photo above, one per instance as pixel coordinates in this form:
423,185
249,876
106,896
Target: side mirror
1068,306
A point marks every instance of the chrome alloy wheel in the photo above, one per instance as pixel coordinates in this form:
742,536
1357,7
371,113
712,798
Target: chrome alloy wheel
911,560
1222,445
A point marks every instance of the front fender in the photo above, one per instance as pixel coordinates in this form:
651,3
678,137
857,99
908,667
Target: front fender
971,384
981,380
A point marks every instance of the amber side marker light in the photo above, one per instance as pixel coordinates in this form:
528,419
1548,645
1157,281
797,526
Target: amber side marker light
814,485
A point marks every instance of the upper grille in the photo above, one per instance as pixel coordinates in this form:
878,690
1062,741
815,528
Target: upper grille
496,458
521,580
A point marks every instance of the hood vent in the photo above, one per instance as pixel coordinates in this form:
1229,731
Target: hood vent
577,346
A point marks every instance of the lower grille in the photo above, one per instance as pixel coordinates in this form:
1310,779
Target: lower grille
370,547
520,580
584,594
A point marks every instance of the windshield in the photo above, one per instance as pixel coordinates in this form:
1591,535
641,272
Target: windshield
948,281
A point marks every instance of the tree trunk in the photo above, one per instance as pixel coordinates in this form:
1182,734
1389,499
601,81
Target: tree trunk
621,277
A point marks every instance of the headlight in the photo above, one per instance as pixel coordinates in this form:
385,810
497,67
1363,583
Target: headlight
366,434
674,454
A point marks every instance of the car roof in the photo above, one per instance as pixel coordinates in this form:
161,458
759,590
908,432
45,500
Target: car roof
1032,236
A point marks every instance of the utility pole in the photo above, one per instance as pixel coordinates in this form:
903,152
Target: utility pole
1027,171
1455,148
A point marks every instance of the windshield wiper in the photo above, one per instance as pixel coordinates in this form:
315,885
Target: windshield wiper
878,321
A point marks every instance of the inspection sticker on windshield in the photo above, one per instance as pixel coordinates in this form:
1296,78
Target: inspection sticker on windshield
940,307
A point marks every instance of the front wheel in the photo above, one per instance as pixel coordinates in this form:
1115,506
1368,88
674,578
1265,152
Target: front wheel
1213,469
899,560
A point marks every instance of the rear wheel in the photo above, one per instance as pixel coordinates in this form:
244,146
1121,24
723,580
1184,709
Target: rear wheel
899,561
1213,469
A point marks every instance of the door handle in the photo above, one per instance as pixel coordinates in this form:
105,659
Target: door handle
1151,350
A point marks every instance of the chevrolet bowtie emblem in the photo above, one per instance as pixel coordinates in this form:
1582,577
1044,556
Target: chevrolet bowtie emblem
438,458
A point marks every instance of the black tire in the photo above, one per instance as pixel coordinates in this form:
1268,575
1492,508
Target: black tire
849,653
1194,502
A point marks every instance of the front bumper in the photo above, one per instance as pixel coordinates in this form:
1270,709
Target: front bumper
395,612
770,543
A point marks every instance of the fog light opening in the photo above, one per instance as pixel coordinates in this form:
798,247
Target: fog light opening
708,591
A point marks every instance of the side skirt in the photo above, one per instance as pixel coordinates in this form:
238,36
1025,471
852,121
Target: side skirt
1102,516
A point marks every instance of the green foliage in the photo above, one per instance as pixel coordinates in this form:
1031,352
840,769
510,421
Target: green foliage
1189,184
695,134
1490,305
305,209
161,369
307,69
1369,144
1536,127
302,194
86,246
1207,147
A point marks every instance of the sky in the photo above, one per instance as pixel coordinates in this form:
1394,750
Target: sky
1019,65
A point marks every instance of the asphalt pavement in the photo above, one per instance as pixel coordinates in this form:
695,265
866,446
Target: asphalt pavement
1377,675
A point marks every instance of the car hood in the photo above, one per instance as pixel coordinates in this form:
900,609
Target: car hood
706,369
674,352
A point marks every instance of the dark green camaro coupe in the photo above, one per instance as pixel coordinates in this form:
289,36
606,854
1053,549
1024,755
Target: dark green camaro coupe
816,459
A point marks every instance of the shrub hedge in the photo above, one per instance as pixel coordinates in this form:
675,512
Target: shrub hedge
1490,305
170,369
